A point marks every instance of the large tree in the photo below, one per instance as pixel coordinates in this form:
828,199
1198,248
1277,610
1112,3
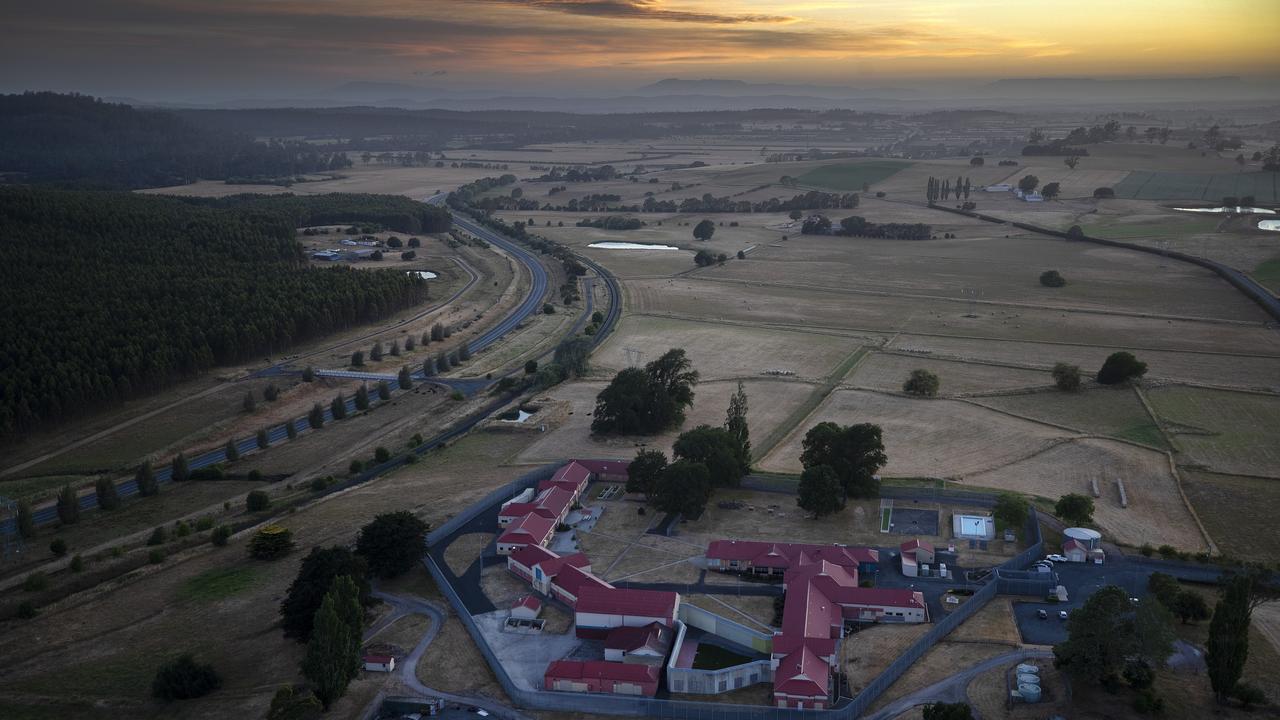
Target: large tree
819,491
718,450
1106,634
1074,508
1120,366
644,471
735,422
1010,510
182,678
921,383
948,711
854,452
647,401
572,355
683,487
1228,645
146,480
315,576
1028,183
392,543
704,230
327,663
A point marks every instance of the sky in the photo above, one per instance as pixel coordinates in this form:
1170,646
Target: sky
194,49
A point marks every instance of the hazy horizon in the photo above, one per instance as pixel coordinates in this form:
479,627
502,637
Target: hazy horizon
206,51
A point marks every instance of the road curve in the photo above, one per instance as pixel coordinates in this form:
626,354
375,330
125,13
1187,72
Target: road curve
952,689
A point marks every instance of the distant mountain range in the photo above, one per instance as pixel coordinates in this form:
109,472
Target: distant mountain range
738,88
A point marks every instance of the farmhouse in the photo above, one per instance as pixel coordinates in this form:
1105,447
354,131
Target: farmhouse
601,608
598,676
766,558
915,553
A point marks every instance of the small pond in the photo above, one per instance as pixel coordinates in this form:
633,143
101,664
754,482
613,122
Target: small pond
611,245
1272,225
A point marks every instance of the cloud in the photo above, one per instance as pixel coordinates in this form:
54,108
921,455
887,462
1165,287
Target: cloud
644,10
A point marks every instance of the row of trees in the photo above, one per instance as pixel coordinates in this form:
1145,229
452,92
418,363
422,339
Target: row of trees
858,226
942,188
150,290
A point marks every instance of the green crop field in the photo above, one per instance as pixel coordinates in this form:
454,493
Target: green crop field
1113,411
219,583
1268,274
1142,185
1230,432
851,176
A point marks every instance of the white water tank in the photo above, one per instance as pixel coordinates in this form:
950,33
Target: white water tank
1087,537
1030,693
1024,668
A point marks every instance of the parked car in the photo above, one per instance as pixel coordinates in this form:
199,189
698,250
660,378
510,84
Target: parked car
1062,614
1042,614
1056,558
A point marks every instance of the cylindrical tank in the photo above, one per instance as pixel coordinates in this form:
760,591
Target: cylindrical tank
1028,678
1088,538
1030,693
1027,668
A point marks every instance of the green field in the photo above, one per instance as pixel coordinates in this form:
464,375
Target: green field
1230,432
1144,185
1113,229
1235,510
219,583
852,176
1113,411
1268,274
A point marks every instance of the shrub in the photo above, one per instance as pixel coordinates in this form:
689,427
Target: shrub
27,610
220,536
1066,377
182,529
1146,550
381,454
257,501
156,556
77,564
1104,193
204,523
1052,278
457,395
58,547
922,383
255,476
1148,703
158,537
35,582
355,467
1119,367
1249,695
271,542
183,678
1168,552
319,484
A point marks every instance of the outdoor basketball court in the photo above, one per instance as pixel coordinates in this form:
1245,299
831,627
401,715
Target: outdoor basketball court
911,521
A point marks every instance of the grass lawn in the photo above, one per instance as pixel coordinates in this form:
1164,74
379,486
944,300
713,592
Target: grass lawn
714,657
852,176
1268,274
219,583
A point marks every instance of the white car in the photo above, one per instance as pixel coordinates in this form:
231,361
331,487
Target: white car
1055,558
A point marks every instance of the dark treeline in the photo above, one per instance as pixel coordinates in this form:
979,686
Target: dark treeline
612,222
78,141
579,174
812,200
392,212
857,226
109,296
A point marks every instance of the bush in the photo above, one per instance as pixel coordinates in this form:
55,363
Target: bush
319,484
1119,367
1249,695
1146,550
27,610
156,556
77,564
355,467
158,537
1066,377
921,383
35,582
548,309
457,395
58,547
181,529
1104,193
183,678
1052,278
257,501
204,523
381,454
220,536
1148,703
271,542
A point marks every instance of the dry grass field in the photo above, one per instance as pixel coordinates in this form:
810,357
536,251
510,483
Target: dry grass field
1229,432
939,663
1115,411
887,372
989,694
1235,510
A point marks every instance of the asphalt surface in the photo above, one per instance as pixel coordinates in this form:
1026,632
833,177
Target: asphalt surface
1081,581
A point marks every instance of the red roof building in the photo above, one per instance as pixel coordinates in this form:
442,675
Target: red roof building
598,676
600,609
914,553
568,584
770,558
526,607
802,680
529,530
554,502
646,644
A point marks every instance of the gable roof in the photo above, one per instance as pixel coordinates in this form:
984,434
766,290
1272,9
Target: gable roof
627,601
632,638
574,581
784,555
531,555
802,673
916,544
528,529
527,601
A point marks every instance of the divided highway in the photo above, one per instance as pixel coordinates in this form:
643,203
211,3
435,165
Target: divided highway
531,304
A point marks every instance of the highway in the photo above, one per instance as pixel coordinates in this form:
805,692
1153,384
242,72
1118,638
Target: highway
531,304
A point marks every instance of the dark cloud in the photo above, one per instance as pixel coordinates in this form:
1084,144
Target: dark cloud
643,10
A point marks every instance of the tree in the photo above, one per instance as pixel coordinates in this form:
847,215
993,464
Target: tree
308,374
248,403
271,543
464,352
263,439
819,491
292,704
704,230
1051,190
108,496
921,383
375,352
1228,646
257,501
26,520
404,379
180,470
346,600
362,397
718,450
58,547
1249,695
1010,510
1052,278
1119,367
1028,183
644,471
315,418
1164,588
1074,508
357,358
327,662
338,407
1066,377
855,452
68,505
948,711
1190,607
1153,633
384,391
182,678
1071,161
683,487
231,451
977,161
735,422
647,401
1099,637
315,576
437,332
145,479
392,543
429,367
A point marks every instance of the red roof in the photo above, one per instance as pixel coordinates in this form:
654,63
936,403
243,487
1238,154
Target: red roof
626,601
527,601
379,659
602,670
575,581
1072,544
916,544
887,597
531,555
628,639
530,530
809,613
802,674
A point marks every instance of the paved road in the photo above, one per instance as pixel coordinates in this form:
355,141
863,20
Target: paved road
953,688
408,667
